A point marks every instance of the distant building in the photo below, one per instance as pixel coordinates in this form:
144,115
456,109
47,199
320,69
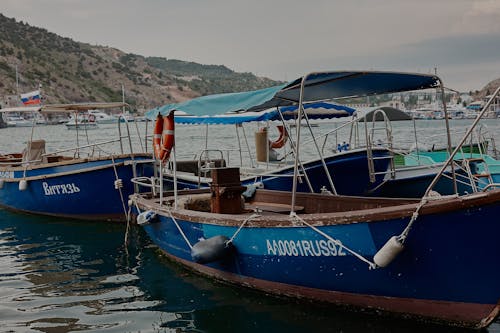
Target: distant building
494,109
396,102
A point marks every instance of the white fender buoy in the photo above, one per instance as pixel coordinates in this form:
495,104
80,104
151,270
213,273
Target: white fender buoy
146,217
211,249
1,183
388,252
23,185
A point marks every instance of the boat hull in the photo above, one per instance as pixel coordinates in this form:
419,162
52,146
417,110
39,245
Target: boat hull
82,190
447,272
412,182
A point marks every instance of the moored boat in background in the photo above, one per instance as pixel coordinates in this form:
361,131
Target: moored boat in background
82,121
18,121
102,117
90,183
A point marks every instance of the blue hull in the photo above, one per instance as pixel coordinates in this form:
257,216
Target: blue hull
414,186
83,190
447,272
349,172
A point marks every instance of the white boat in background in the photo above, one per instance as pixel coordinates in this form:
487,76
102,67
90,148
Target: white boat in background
17,121
82,121
103,118
40,119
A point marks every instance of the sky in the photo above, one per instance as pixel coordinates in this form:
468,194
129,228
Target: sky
285,39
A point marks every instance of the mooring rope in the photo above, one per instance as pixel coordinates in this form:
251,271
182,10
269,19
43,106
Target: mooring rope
119,185
414,216
128,223
251,217
371,264
179,228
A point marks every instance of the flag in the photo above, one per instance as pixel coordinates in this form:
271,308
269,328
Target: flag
31,98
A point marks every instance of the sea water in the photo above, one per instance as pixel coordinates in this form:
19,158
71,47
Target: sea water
61,275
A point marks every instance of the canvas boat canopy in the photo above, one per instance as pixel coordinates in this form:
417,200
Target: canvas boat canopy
320,110
317,87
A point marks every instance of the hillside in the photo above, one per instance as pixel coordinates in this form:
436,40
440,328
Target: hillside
489,88
70,71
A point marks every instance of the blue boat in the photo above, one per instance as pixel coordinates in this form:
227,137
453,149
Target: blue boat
88,188
412,173
353,161
432,258
309,256
276,175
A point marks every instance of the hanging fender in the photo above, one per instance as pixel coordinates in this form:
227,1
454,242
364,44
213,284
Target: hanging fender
280,142
164,136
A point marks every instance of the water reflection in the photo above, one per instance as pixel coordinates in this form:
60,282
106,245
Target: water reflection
65,276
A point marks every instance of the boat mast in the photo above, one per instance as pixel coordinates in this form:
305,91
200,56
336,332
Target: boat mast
17,82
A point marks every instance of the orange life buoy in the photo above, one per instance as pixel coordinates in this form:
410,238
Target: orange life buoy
280,142
164,136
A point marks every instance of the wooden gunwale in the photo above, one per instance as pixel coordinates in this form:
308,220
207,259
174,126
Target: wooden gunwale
361,209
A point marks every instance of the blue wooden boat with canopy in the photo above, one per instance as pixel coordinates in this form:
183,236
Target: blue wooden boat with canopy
433,258
87,181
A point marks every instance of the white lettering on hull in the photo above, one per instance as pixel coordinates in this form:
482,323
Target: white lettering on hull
304,248
62,189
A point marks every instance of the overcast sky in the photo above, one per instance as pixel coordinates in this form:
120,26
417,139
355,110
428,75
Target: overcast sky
284,39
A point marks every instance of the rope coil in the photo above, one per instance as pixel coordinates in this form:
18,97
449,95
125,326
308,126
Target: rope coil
118,184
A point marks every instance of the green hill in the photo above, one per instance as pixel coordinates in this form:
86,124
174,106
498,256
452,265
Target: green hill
70,71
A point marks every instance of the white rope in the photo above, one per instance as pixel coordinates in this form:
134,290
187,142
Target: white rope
119,188
414,217
128,224
179,228
251,217
371,264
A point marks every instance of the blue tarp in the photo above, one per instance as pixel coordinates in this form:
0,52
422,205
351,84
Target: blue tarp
320,110
317,87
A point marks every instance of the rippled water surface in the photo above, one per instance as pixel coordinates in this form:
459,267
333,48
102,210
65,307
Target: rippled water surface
59,275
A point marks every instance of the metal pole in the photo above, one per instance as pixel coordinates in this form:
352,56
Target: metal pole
295,167
415,134
77,137
161,182
292,145
248,147
239,145
206,137
17,81
464,138
325,167
447,122
175,176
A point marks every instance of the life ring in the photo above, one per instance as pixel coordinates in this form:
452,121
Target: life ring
164,136
280,142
